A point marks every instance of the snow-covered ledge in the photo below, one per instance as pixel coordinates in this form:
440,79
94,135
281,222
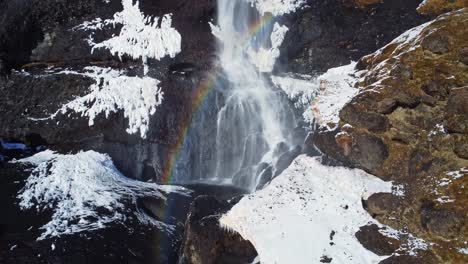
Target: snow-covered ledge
292,220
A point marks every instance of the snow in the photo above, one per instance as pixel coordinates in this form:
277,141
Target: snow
140,36
277,7
322,97
265,59
463,250
85,192
290,221
138,97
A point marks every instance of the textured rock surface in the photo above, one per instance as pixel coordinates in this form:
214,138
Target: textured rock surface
48,45
437,7
206,242
331,33
414,104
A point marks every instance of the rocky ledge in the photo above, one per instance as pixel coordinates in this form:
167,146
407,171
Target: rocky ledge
409,124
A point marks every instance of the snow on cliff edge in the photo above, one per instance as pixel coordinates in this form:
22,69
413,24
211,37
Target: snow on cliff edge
292,219
85,192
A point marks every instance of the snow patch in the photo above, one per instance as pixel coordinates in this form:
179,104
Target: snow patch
308,201
323,97
140,36
277,7
113,91
85,192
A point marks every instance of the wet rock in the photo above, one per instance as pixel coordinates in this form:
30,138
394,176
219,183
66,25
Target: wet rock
285,160
205,241
265,177
370,237
436,44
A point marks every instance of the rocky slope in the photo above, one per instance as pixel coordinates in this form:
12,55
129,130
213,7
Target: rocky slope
409,125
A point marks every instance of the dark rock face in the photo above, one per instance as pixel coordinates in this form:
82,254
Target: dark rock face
47,45
206,242
331,33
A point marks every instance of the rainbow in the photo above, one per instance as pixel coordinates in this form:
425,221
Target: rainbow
199,96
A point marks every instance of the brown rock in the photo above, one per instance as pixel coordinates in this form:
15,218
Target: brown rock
436,44
463,56
373,121
370,237
437,7
457,110
461,146
382,203
447,222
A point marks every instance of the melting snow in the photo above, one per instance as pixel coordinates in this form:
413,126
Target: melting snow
140,36
277,7
290,221
85,192
113,91
324,96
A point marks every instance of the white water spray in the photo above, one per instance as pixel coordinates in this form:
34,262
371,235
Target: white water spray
254,119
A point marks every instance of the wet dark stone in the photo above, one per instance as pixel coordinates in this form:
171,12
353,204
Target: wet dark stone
286,159
206,242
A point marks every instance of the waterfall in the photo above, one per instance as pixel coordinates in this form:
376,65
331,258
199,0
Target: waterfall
254,120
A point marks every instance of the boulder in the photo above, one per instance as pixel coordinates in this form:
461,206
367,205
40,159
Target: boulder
205,241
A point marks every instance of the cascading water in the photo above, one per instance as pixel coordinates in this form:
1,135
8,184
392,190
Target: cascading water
254,120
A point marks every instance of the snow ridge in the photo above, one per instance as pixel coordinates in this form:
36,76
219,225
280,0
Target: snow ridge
277,7
140,36
85,192
113,91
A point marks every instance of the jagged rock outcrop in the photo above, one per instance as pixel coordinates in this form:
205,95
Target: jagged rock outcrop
206,242
437,7
331,33
409,125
